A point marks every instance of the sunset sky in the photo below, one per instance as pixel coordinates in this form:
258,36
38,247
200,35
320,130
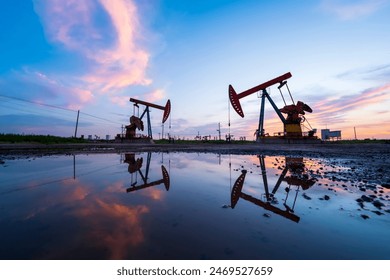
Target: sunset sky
93,55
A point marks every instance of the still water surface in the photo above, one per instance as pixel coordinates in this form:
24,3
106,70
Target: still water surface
187,206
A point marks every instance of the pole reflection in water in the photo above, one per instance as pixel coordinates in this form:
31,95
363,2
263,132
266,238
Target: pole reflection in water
297,177
135,166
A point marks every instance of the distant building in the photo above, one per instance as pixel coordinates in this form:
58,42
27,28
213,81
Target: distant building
327,135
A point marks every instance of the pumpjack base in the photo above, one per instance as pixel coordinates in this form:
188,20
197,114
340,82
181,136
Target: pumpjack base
286,140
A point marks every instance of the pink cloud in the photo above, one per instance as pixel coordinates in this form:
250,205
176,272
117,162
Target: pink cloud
122,101
67,21
113,226
155,95
74,97
47,89
111,44
351,102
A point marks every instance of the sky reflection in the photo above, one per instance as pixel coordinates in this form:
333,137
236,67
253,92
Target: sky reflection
189,206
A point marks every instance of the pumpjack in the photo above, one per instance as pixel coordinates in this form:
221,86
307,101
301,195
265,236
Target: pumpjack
295,112
137,123
135,167
297,177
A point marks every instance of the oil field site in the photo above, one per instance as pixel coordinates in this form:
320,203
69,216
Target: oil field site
286,196
195,130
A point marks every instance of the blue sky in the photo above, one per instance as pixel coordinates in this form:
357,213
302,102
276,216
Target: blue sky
94,55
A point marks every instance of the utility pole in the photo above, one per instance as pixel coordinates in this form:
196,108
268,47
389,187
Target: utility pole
77,123
162,131
219,131
74,167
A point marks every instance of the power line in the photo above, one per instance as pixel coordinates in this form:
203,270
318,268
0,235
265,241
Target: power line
98,117
37,103
57,107
32,110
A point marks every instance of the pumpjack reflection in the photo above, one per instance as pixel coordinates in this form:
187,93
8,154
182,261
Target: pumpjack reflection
135,166
297,177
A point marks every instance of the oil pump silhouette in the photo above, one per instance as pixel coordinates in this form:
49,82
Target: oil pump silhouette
135,166
297,177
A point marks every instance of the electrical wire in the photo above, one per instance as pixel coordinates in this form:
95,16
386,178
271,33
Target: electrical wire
55,107
37,103
31,110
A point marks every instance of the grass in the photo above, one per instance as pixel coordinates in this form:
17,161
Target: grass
42,139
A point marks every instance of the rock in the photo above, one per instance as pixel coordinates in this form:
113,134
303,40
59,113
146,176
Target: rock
360,203
371,186
266,215
364,216
378,204
366,198
377,212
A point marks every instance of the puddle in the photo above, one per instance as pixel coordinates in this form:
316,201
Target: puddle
190,206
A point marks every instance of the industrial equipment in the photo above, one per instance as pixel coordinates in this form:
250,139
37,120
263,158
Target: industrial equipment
295,112
135,166
137,123
297,177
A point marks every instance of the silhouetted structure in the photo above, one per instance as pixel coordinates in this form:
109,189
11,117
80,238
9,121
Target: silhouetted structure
297,177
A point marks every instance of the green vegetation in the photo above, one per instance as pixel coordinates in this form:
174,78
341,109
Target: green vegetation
42,139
